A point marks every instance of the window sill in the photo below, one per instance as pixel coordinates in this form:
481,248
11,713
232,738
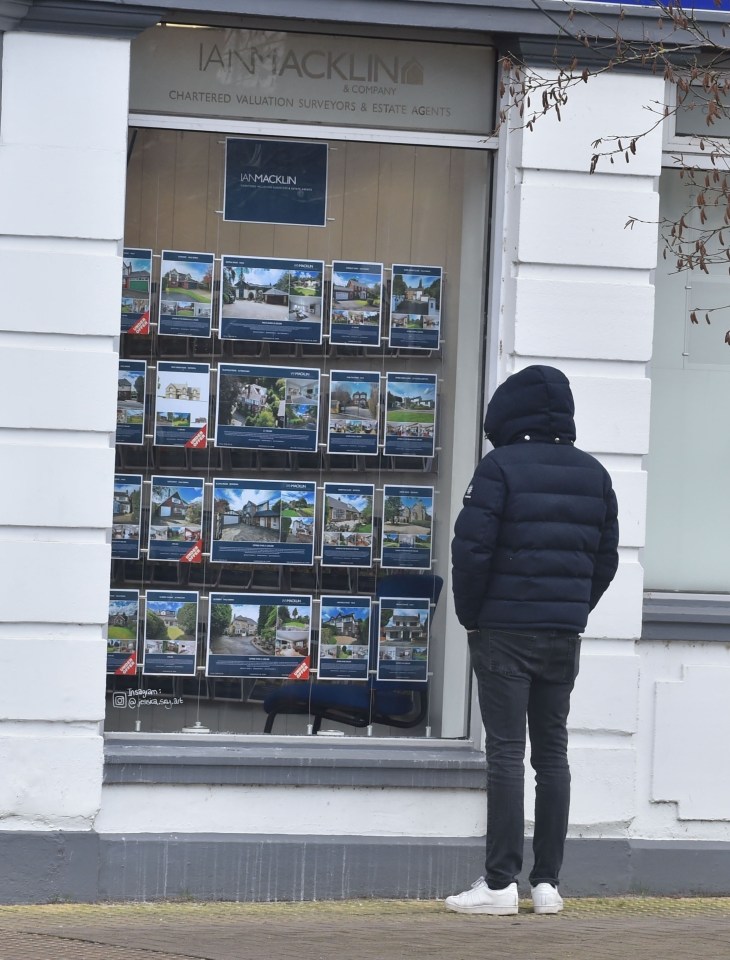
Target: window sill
687,617
297,761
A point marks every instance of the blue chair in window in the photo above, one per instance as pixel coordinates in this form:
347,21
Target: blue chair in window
360,704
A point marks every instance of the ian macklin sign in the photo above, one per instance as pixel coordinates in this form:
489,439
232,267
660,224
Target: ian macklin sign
305,78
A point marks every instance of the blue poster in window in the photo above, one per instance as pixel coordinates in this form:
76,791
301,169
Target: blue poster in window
410,414
130,401
136,290
347,534
176,519
259,635
263,521
357,290
181,404
170,633
122,632
344,638
403,639
275,181
267,408
407,525
186,293
415,308
126,514
354,411
268,298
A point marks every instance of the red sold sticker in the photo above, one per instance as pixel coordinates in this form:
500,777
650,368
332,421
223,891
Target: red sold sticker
194,554
301,672
129,665
199,440
142,325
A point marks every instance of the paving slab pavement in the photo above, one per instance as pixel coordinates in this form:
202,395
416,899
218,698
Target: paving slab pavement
589,929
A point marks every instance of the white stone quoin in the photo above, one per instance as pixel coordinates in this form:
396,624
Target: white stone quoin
63,129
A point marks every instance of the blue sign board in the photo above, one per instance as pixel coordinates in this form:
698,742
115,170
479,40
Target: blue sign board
275,181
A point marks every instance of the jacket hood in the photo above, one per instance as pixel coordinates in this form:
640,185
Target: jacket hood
534,404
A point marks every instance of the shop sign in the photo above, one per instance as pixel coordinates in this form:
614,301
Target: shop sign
310,78
276,181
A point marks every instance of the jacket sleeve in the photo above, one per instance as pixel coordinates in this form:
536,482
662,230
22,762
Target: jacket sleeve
606,563
476,533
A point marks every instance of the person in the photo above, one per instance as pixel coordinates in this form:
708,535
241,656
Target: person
535,547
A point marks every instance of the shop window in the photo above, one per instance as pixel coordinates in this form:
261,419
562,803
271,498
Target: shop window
286,435
688,511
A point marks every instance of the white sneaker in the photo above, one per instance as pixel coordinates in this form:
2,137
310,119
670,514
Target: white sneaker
546,899
480,899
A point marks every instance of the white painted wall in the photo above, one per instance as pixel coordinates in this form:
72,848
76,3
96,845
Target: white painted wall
578,294
63,120
573,289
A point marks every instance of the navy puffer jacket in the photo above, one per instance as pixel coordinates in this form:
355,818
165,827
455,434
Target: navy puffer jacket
535,544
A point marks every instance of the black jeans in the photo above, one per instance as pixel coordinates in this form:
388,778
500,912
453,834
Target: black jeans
525,676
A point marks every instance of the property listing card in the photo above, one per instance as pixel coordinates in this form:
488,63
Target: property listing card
271,299
354,409
344,638
356,303
403,639
176,519
170,633
347,525
136,290
122,632
186,293
130,401
410,414
259,635
182,397
126,515
267,408
263,521
415,307
407,524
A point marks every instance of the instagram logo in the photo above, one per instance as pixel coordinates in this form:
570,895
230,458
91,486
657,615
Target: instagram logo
119,700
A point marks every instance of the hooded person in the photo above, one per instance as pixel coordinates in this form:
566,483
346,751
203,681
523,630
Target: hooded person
535,547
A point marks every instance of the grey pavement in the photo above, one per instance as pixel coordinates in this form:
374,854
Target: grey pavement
589,929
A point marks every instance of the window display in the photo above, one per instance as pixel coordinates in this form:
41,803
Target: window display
256,525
